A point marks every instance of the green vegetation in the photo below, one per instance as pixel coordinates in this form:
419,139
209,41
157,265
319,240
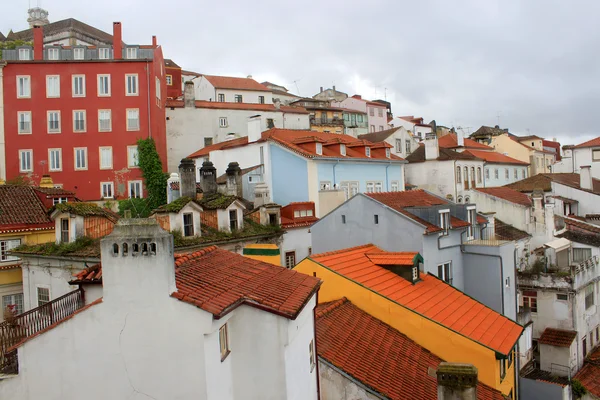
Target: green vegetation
155,179
139,208
578,389
13,44
217,201
176,205
58,249
19,180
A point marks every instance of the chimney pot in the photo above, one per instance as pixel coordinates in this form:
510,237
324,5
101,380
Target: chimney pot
189,95
38,42
432,150
154,42
460,138
117,41
321,89
456,381
46,182
234,180
208,178
187,178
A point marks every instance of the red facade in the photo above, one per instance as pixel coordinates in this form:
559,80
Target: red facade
86,182
174,88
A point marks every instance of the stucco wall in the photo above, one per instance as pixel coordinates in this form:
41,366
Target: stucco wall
2,140
532,389
362,172
588,202
502,180
558,360
297,240
335,386
511,213
290,176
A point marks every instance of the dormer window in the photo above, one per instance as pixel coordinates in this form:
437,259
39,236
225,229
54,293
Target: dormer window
53,54
444,221
343,149
388,153
368,151
24,54
78,53
132,53
320,149
103,53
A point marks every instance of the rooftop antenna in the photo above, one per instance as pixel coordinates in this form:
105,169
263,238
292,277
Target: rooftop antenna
296,83
498,116
385,94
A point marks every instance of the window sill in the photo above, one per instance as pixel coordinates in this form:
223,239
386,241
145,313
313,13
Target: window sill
224,356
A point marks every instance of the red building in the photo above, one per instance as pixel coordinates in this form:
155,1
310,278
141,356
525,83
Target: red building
76,113
173,79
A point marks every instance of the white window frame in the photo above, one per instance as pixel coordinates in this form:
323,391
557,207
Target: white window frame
24,54
30,159
223,122
51,130
78,53
130,126
26,93
221,97
447,275
110,185
52,159
53,53
169,80
224,349
370,187
100,87
24,114
6,245
444,220
100,128
137,85
11,298
388,152
74,78
37,294
84,121
138,187
76,158
130,157
368,151
343,149
472,220
290,258
350,188
53,95
395,186
157,87
325,185
100,149
319,148
104,53
131,53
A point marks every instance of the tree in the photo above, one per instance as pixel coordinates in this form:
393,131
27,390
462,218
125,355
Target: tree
152,172
12,44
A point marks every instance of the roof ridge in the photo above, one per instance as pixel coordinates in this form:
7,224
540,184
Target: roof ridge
329,307
341,251
181,258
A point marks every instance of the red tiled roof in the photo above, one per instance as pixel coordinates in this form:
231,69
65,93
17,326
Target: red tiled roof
229,82
557,337
589,375
21,210
238,106
219,146
393,258
431,297
495,158
297,222
450,141
350,339
590,143
218,281
89,275
507,194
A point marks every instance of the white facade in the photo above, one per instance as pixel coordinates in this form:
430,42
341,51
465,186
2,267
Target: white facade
376,115
296,240
404,143
224,219
587,203
206,91
176,219
419,130
76,225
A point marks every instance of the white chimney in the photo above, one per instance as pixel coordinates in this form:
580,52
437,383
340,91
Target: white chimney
254,128
460,138
172,194
261,194
456,381
432,151
189,95
585,177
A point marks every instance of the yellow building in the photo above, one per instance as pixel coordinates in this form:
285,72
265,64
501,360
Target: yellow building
323,117
438,317
266,252
528,149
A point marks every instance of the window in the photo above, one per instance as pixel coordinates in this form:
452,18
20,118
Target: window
325,185
562,297
53,121
23,87
24,122
233,220
496,173
407,146
78,53
376,219
103,85
132,156
530,300
132,53
371,111
208,141
80,158
52,86
370,187
53,54
445,272
398,145
104,121
596,155
516,173
589,296
135,189
359,118
25,160
7,245
238,98
467,199
580,255
221,98
78,86
64,230
388,153
224,342
106,190
380,112
43,296
380,127
445,220
466,177
395,186
473,175
106,158
523,174
343,219
478,174
319,148
157,88
188,224
368,151
487,173
261,99
79,121
58,200
14,300
350,188
24,54
506,174
169,80
133,119
223,122
458,175
103,53
343,150
472,219
378,187
459,199
311,355
372,128
290,259
131,85
55,159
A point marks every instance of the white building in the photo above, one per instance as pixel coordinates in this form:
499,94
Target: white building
583,154
281,93
376,112
160,332
412,124
227,89
403,141
296,219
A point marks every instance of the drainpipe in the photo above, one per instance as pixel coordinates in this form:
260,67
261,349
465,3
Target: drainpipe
455,192
387,183
517,352
574,312
148,95
337,161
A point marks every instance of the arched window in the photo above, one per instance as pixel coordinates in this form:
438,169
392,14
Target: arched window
125,249
458,179
115,249
473,174
467,199
152,249
145,249
466,174
459,199
478,174
135,249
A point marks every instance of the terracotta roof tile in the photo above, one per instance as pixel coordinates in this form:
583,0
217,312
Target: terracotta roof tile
430,297
590,143
557,337
505,231
349,339
393,258
491,157
238,106
90,275
589,375
507,194
61,26
445,154
21,210
205,151
544,182
229,82
450,141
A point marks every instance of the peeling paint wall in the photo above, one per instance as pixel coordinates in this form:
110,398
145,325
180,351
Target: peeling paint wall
335,386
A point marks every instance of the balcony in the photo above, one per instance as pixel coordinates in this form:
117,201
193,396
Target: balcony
327,121
20,327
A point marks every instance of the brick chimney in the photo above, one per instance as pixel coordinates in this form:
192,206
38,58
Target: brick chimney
38,43
117,41
189,94
154,42
585,177
234,180
456,381
187,178
208,178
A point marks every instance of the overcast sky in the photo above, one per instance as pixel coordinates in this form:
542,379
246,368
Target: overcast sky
533,63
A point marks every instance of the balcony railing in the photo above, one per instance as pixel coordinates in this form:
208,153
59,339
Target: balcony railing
19,327
327,121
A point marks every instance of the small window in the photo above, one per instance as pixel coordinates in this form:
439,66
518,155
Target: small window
24,122
106,158
388,153
81,158
478,174
589,296
132,157
487,173
596,155
14,302
78,86
530,300
445,221
169,80
233,220
53,121
502,368
343,150
319,148
79,124
290,259
25,160
135,189
23,87
55,159
224,342
238,98
53,53
261,99
132,53
343,219
53,86
395,186
103,53
78,53
188,224
368,151
104,121
445,272
221,98
106,190
208,141
131,84
223,122
311,355
104,85
7,245
24,54
133,119
376,219
43,296
496,173
458,175
115,249
562,297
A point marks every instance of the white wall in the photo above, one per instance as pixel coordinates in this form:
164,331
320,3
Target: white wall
76,226
298,240
335,386
176,219
206,91
588,202
223,217
402,135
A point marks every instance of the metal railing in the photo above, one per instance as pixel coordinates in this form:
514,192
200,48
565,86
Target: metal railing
327,121
19,327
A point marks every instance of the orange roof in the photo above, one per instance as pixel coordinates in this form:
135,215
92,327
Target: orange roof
393,258
218,281
449,141
590,143
431,298
495,158
219,146
349,338
238,106
589,375
557,337
508,194
228,82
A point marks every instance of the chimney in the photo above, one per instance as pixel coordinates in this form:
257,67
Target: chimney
333,89
456,381
254,128
187,181
46,182
117,41
321,89
261,194
460,138
585,177
173,194
154,42
38,43
234,180
432,151
249,77
208,178
277,104
189,95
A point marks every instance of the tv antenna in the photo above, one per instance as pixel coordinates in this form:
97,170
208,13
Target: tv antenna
296,83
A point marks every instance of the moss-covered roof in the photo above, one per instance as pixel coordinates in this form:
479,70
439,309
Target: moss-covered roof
175,206
217,201
85,210
83,247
